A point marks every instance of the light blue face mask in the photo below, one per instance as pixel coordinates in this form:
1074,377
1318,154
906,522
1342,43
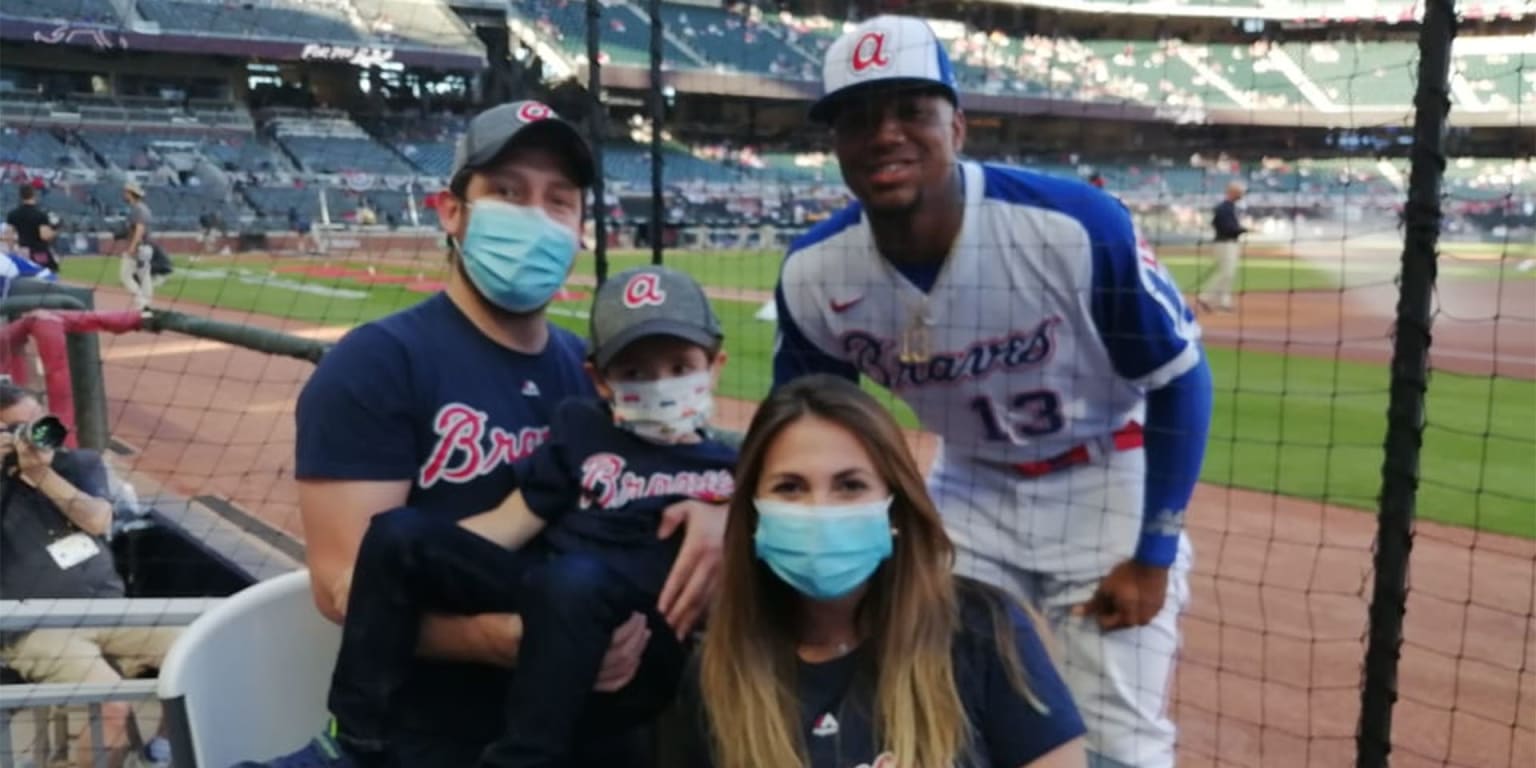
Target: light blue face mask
517,256
823,552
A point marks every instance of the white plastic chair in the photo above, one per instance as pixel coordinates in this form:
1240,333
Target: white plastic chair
248,679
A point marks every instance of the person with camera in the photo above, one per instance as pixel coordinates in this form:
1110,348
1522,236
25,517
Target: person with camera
55,514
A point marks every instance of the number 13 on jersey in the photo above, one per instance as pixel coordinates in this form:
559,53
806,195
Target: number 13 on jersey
1035,413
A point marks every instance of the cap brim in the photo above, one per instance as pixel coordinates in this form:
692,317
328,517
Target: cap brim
825,109
552,132
689,332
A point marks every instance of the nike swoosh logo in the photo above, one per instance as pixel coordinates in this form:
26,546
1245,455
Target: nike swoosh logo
840,307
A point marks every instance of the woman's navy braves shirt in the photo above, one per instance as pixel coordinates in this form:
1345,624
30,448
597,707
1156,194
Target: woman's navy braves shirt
602,490
423,395
1009,730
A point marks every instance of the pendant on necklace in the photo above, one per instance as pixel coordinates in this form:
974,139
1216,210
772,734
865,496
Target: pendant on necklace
917,340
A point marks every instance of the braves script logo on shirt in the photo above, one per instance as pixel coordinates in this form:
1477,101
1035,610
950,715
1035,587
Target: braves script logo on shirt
877,357
462,453
644,291
605,484
869,52
533,111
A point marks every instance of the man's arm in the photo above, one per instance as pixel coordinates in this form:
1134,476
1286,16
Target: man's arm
335,515
83,508
89,513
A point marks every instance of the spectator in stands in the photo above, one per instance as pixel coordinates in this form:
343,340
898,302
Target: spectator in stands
134,266
55,514
424,409
840,636
1227,248
35,227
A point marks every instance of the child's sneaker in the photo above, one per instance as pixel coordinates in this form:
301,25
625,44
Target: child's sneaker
322,752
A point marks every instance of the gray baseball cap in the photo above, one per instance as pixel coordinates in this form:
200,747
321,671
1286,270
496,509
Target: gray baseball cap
650,301
492,131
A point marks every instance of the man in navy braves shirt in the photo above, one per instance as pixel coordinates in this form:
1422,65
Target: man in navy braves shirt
419,409
573,550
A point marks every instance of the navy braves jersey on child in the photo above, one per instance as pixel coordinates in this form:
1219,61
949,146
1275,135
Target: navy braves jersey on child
602,490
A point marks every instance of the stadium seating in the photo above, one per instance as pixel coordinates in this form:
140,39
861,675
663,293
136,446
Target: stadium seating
626,34
413,22
273,203
292,19
1501,80
432,157
334,144
731,41
34,148
1359,74
90,11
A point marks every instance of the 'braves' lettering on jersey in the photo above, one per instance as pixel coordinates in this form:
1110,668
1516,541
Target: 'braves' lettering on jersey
605,484
602,489
461,453
880,359
1046,326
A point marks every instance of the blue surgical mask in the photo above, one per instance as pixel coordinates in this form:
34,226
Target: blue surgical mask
823,552
517,256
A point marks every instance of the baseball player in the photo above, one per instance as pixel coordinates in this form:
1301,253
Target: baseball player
1028,325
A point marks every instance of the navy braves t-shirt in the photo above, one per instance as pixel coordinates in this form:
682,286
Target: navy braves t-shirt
602,490
423,395
1010,728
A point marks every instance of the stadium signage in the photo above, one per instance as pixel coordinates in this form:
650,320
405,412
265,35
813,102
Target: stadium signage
361,56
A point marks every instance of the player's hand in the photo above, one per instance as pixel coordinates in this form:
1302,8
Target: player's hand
622,660
692,581
1130,596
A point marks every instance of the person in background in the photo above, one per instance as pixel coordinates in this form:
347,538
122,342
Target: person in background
55,515
1227,249
134,269
35,228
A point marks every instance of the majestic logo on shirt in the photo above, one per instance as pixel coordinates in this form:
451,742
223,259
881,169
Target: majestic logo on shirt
644,290
869,52
466,450
530,388
826,725
885,760
605,483
877,357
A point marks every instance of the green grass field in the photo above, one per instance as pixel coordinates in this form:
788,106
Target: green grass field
1298,426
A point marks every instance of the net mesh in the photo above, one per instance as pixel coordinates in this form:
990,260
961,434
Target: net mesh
301,199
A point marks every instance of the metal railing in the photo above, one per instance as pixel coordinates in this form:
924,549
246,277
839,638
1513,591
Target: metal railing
28,615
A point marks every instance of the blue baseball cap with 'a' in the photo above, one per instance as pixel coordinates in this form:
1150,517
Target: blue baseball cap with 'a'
884,51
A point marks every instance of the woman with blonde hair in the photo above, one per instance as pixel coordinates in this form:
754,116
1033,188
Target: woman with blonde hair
839,637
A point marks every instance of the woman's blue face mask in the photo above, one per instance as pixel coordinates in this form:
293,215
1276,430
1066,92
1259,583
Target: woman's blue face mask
516,255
